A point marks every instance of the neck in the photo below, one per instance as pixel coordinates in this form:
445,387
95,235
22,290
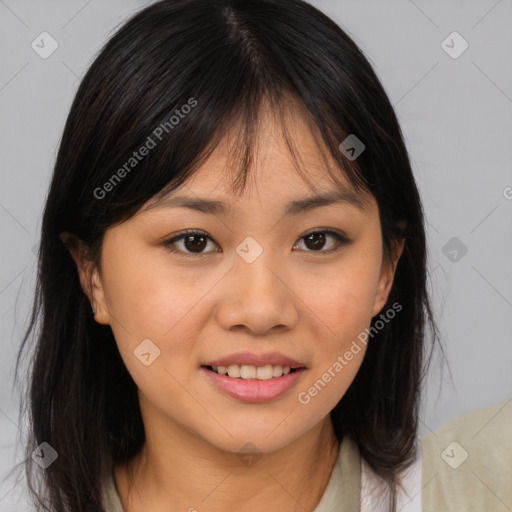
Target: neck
182,472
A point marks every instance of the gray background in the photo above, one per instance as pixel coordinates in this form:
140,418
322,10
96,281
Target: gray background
455,114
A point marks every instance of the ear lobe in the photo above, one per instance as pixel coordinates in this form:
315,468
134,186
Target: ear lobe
387,275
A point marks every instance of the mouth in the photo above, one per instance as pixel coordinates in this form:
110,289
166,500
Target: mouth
253,384
248,372
251,365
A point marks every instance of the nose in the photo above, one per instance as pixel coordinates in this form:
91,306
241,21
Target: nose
258,297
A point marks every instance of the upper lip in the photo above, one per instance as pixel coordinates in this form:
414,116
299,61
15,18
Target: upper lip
249,358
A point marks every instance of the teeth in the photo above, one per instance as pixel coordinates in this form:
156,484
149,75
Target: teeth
277,370
264,372
248,371
233,371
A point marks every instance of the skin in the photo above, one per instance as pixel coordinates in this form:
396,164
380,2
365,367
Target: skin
294,299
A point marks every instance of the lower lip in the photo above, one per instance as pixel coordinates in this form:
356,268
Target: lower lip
254,390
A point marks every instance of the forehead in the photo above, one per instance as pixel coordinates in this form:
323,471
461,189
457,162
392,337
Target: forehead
289,161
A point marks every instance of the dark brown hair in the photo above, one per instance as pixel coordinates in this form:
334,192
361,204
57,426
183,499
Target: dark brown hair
227,56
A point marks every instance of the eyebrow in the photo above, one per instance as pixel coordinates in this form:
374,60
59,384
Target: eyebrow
298,206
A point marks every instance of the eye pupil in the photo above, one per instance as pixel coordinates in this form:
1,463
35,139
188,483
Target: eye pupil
200,245
318,240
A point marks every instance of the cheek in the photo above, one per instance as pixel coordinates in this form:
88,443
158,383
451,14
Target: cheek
339,348
147,295
342,311
343,297
148,300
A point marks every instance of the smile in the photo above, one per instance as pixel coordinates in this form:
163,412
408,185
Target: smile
248,371
255,384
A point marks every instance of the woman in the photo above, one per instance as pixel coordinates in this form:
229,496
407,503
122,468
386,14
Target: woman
232,273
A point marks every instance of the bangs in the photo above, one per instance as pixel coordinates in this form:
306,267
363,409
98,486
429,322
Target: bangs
232,72
240,132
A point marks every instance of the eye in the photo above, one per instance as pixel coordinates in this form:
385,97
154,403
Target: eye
194,242
316,240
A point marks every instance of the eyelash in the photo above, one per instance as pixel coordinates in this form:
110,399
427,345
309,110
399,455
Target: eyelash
340,239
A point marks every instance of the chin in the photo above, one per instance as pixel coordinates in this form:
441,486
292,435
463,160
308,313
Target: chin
261,438
244,444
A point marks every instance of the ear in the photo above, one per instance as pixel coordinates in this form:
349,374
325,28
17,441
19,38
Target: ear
89,275
387,275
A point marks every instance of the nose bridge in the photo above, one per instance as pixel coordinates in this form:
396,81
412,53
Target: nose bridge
256,265
257,296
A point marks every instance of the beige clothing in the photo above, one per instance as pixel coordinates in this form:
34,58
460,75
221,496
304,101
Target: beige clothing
468,463
466,466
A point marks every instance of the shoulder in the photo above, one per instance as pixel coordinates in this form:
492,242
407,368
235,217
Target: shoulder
467,463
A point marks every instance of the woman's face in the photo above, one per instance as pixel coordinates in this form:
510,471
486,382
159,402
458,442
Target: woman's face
256,290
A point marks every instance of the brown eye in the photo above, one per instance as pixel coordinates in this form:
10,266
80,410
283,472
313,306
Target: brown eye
316,241
193,242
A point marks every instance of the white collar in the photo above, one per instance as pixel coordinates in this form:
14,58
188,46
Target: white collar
375,492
